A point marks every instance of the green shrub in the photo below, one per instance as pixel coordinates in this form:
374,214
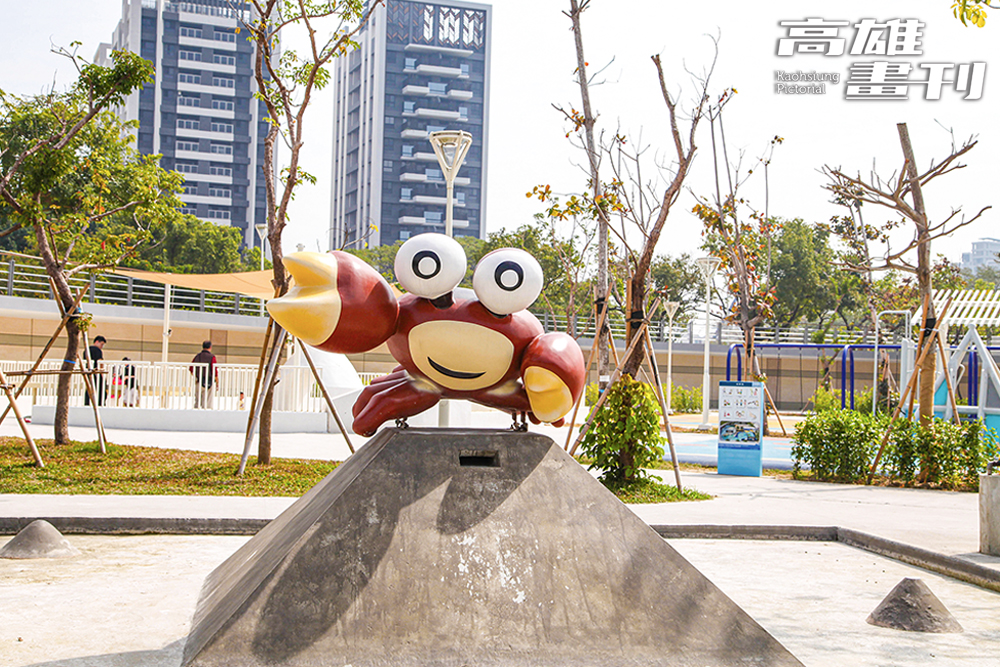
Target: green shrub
840,445
886,404
591,394
836,444
685,400
625,435
825,399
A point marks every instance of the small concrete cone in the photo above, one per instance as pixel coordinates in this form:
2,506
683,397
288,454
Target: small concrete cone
911,606
39,539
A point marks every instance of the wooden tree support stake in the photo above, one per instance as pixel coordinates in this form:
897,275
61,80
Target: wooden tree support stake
20,420
272,367
326,396
947,378
586,372
48,346
909,390
663,407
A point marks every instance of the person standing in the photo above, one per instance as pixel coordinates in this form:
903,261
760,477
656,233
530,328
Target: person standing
96,363
206,375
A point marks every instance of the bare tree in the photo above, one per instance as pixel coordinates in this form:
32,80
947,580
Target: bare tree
286,83
902,195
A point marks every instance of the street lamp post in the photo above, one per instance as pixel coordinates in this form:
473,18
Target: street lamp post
450,147
261,233
707,266
671,307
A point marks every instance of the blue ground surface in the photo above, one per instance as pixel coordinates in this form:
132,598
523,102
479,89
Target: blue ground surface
702,449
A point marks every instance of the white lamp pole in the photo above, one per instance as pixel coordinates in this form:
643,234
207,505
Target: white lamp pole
261,232
450,147
671,307
707,266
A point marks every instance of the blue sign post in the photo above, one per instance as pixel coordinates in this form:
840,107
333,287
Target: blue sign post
741,428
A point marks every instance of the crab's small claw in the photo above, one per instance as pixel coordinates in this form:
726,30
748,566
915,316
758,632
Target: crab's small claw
553,375
337,303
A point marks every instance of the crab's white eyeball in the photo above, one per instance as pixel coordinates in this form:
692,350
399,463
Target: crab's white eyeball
507,280
430,265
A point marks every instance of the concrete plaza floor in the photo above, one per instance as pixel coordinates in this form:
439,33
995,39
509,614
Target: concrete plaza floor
128,600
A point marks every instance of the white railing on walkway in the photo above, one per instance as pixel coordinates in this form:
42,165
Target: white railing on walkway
173,386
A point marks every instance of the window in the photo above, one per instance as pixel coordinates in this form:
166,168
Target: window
390,120
222,127
184,77
188,210
437,88
432,216
191,32
407,151
220,192
406,194
187,101
387,165
190,55
436,128
408,107
185,168
411,63
433,174
225,171
186,146
222,104
220,149
460,197
190,189
223,82
220,36
188,124
463,112
465,69
218,214
224,60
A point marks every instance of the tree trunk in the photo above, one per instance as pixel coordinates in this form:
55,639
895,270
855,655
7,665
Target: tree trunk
929,367
636,314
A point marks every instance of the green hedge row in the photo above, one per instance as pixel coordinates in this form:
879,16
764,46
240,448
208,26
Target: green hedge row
840,445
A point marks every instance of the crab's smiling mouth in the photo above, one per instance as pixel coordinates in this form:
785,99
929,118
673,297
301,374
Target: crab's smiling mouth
458,375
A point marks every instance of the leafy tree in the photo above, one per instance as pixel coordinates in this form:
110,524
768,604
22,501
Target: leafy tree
677,279
802,273
972,11
66,164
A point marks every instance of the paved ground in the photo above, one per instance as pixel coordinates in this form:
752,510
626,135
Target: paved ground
128,600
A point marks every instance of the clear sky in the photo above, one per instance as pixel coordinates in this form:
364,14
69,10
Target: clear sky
532,68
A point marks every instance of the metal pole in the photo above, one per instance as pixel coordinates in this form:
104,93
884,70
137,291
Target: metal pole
449,205
166,324
705,378
272,364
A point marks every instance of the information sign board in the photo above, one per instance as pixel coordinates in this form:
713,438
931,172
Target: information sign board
741,428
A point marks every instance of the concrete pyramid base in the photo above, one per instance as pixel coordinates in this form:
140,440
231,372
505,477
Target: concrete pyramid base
465,547
913,607
39,539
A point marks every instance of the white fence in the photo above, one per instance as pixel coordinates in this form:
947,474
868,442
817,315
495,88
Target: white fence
172,386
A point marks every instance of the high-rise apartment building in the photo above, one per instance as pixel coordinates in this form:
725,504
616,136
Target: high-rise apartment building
199,112
421,67
985,252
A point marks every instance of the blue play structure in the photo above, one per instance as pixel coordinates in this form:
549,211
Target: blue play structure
983,377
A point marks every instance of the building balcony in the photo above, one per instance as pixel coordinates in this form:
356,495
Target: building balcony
202,88
209,66
438,114
204,199
408,177
446,50
427,199
437,70
205,134
216,44
208,178
413,134
202,111
411,220
421,157
460,94
197,155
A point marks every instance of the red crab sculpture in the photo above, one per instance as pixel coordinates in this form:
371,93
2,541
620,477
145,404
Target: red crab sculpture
484,348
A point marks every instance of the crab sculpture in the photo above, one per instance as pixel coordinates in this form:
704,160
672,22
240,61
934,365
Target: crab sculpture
482,346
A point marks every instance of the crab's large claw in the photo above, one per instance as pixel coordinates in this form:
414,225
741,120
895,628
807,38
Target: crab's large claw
553,375
337,303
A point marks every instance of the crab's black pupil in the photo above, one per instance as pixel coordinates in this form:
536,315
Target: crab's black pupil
502,275
420,267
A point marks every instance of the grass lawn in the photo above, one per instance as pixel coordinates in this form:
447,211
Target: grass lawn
80,468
